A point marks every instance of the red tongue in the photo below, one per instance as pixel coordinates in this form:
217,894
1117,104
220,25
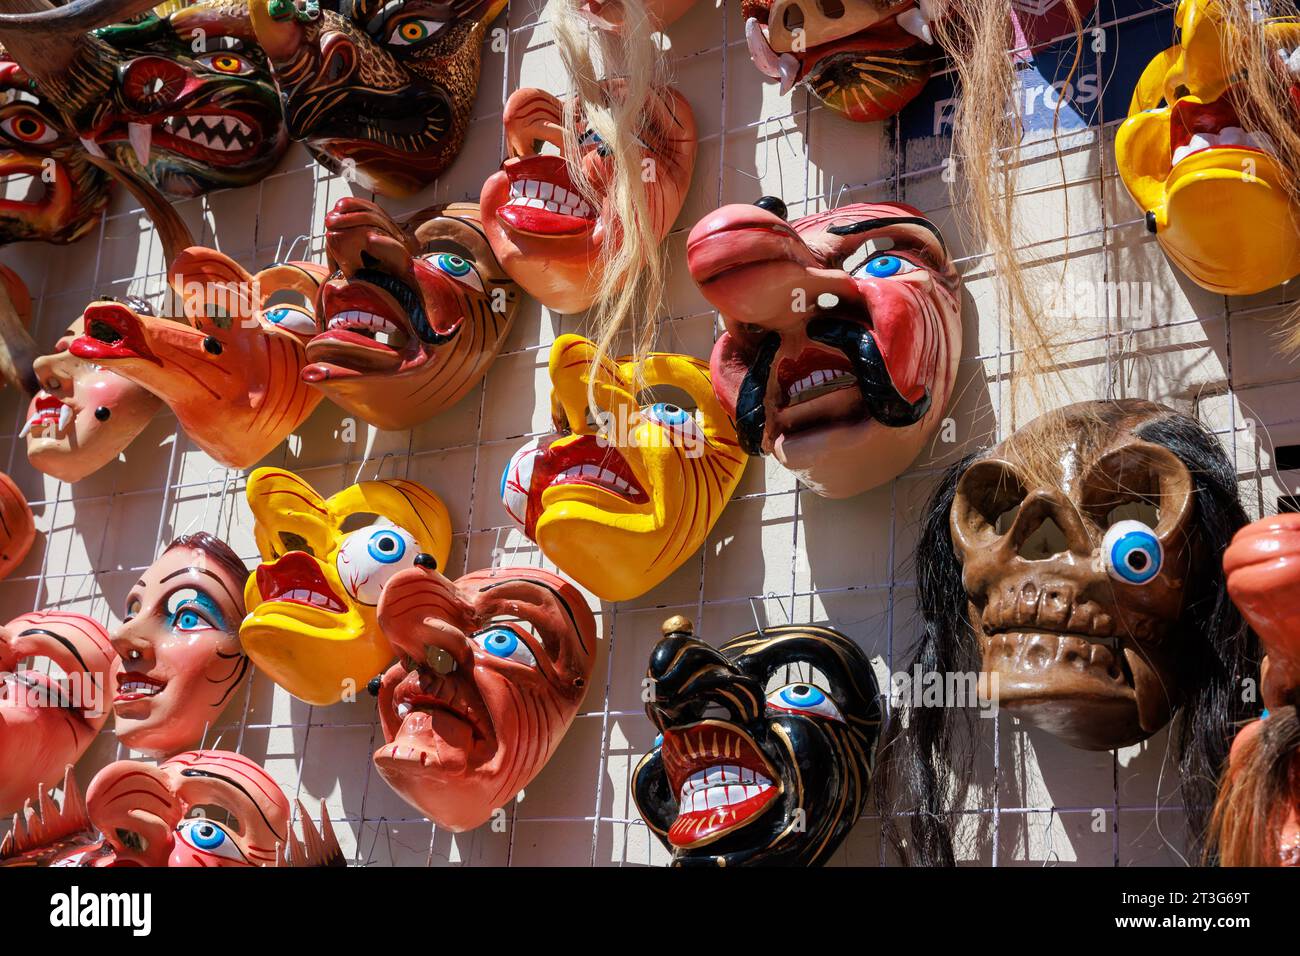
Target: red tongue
542,221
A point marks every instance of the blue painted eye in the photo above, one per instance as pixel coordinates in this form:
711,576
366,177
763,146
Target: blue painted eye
292,318
459,268
659,740
369,557
505,643
209,837
189,621
678,421
386,547
804,699
1131,552
884,265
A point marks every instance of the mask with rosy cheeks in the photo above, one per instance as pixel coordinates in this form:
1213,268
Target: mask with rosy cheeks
65,200
84,416
620,504
311,604
865,59
200,808
842,368
56,674
232,370
179,644
1181,154
544,233
493,667
17,526
414,316
381,88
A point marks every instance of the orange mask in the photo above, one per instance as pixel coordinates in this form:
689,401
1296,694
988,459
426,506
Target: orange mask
17,527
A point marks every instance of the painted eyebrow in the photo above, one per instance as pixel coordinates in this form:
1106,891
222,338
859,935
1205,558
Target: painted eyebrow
195,772
558,597
62,640
867,225
202,571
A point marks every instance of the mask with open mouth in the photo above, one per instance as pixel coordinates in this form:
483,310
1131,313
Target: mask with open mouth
547,236
56,671
492,668
865,59
312,602
414,315
1210,183
17,526
844,366
84,415
773,725
620,498
380,89
232,370
179,645
63,201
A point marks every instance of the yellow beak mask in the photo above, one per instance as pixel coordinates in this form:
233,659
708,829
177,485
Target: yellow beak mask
621,498
325,561
1212,188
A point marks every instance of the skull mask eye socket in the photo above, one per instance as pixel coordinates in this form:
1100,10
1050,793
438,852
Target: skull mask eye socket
988,499
1138,482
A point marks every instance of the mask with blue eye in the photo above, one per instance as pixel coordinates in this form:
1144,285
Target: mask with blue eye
678,422
506,644
368,558
458,268
292,319
804,699
207,836
189,609
1131,552
884,265
590,137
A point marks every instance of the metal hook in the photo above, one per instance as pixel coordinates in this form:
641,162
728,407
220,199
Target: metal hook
772,596
753,609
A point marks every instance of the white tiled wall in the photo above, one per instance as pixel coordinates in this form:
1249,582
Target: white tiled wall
776,553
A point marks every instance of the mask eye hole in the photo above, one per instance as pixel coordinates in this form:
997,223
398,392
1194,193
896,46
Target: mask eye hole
295,542
1131,552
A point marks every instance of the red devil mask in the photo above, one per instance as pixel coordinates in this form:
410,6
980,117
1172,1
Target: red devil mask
843,335
493,667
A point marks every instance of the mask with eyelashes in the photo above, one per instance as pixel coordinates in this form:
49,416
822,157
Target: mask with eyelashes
622,499
771,725
492,668
325,561
843,368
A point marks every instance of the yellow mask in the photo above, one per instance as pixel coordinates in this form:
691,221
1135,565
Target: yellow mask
1212,191
619,501
312,602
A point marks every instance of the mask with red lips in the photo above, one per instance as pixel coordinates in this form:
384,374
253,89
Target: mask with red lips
52,706
843,367
773,724
493,667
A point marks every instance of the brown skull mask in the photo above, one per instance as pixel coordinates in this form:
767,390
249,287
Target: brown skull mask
1073,537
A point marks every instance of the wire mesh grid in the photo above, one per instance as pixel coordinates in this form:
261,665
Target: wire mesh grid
778,552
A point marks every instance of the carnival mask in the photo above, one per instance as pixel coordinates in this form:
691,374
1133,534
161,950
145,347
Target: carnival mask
842,365
46,833
412,319
179,644
492,668
312,603
545,234
865,59
381,91
775,726
17,527
621,503
232,370
56,670
66,194
84,415
1212,189
201,808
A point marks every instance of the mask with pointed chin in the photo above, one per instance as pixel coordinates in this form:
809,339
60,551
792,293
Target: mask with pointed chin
492,668
179,644
232,370
17,526
84,415
842,368
622,495
1182,151
549,238
312,601
56,674
414,315
65,200
381,89
773,726
200,808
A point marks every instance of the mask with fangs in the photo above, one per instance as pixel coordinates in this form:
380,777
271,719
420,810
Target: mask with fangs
414,315
17,527
492,669
843,368
312,601
56,669
621,498
46,833
773,726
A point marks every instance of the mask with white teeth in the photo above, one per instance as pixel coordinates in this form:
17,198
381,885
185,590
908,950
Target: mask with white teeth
766,748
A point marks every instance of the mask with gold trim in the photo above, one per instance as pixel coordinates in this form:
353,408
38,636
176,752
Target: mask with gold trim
414,315
620,504
773,725
1212,188
312,601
